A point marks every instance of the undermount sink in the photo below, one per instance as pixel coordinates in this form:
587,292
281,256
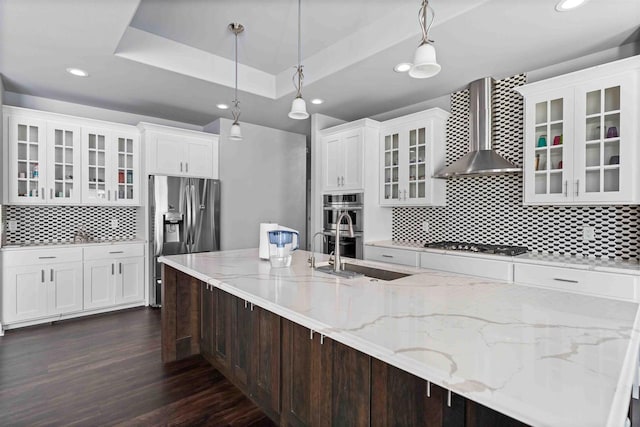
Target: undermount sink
355,270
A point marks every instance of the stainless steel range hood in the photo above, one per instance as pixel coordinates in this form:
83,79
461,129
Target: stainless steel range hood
481,159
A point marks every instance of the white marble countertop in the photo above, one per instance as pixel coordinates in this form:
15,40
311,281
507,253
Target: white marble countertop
583,263
544,357
23,246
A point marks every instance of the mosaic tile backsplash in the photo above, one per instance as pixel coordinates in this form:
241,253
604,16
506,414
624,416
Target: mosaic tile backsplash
57,224
489,209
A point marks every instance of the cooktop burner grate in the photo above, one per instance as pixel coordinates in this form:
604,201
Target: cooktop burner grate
480,248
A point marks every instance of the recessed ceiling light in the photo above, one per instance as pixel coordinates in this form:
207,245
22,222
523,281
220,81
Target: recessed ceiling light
402,67
77,72
565,5
317,101
222,106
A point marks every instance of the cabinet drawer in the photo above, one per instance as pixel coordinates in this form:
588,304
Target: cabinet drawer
114,251
393,256
15,258
481,267
582,281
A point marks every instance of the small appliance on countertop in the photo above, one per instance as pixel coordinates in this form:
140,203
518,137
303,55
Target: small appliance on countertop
479,248
265,228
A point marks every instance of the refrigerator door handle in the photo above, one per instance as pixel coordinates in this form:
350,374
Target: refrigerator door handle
195,212
187,192
158,219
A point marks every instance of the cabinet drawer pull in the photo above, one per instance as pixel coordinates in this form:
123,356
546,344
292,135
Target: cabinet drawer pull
42,273
387,256
116,252
46,257
113,267
558,279
120,267
52,274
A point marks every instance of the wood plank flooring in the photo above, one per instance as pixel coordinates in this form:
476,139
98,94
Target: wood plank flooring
106,370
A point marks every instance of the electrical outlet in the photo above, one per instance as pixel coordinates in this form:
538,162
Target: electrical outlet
114,223
12,225
425,226
588,234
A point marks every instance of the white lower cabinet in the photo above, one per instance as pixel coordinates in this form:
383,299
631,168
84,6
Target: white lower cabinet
481,267
40,285
391,255
612,285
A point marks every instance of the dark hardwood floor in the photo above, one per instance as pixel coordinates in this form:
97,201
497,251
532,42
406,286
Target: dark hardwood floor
106,370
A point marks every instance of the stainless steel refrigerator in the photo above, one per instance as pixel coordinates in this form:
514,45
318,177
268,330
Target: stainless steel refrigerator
184,218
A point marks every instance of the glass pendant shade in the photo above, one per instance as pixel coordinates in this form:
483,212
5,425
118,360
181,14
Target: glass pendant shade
298,109
424,62
235,134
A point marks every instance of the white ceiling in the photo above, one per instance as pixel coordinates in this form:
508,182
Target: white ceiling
173,59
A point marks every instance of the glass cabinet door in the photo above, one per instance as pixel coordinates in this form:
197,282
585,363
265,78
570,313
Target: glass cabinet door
63,163
95,157
417,164
27,160
126,170
391,162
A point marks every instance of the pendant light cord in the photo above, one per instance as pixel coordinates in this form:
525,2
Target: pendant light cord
298,72
236,109
422,18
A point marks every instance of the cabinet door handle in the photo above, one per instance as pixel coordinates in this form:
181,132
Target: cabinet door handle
186,167
42,193
387,256
113,269
566,186
338,181
251,306
115,195
449,398
51,193
109,195
405,194
577,187
116,252
120,268
321,339
343,181
42,274
180,166
428,388
46,257
51,274
558,279
245,304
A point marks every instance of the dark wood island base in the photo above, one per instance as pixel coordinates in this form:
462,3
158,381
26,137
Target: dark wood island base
297,377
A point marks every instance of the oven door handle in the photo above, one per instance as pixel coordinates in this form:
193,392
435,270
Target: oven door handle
342,208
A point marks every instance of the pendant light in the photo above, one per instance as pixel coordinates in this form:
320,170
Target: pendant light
235,133
298,106
424,59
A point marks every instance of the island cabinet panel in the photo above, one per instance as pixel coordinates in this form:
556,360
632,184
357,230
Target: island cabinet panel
350,376
265,364
241,339
180,315
207,325
222,309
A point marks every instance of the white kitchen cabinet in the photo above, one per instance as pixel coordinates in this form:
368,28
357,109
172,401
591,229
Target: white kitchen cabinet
113,275
180,152
581,133
473,266
111,167
412,148
342,160
612,285
44,161
392,255
41,283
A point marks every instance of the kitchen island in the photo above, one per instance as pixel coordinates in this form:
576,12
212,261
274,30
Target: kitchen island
542,357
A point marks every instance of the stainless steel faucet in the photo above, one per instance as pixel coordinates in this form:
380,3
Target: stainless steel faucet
81,235
312,258
337,262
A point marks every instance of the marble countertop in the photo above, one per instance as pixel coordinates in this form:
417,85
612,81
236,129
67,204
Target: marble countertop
584,263
23,246
544,357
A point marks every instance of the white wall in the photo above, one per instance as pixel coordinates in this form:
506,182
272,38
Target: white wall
263,179
80,110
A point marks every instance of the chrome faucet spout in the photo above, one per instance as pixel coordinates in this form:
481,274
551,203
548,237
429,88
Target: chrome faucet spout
312,258
344,214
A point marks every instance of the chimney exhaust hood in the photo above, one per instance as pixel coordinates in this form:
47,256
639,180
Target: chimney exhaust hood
481,158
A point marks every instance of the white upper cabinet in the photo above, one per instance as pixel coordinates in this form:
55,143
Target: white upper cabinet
180,152
342,159
412,149
63,160
581,134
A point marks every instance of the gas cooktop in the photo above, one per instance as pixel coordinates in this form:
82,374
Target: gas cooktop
476,247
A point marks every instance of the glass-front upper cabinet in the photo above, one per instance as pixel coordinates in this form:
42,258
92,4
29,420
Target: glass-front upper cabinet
63,163
581,136
412,148
27,160
126,169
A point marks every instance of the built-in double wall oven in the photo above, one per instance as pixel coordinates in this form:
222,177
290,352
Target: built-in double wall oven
333,206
